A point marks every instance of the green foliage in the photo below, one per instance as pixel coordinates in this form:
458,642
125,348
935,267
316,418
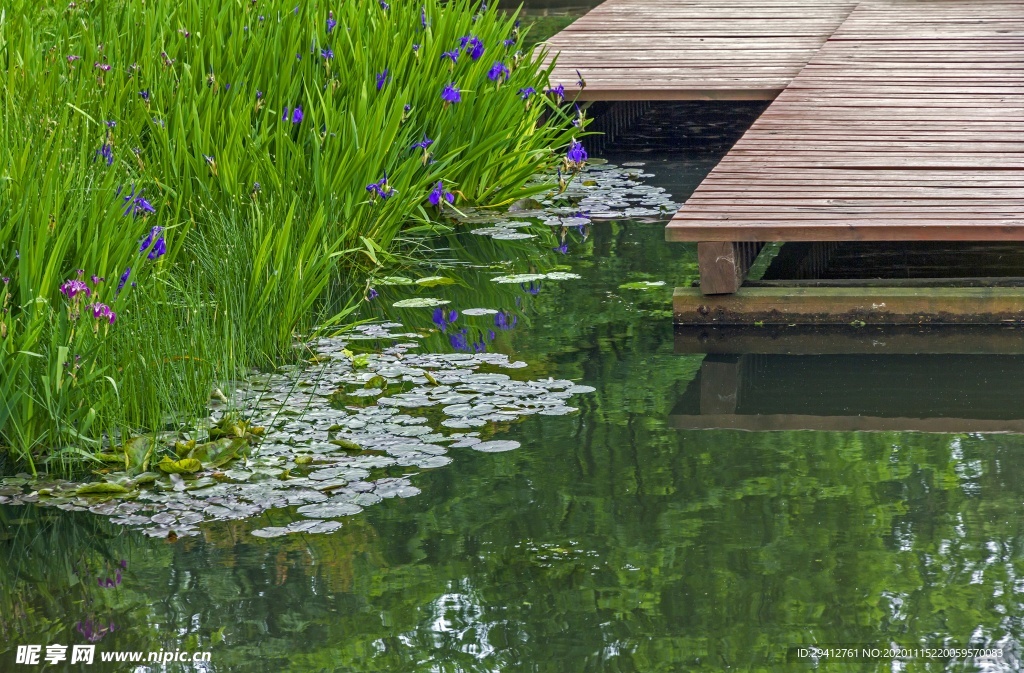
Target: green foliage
266,218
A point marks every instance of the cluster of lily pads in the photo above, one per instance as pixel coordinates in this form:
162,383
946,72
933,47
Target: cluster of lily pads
328,439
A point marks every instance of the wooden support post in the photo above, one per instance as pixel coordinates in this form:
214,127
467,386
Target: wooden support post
723,265
720,383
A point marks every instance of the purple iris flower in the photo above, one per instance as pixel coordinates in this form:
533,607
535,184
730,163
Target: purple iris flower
326,53
102,311
510,42
382,78
443,318
563,249
381,188
415,48
331,23
144,94
123,279
423,144
472,45
107,152
438,195
533,288
96,280
527,92
102,66
423,16
137,205
148,241
452,55
72,58
296,115
73,287
497,71
451,94
159,249
371,295
576,155
558,92
383,5
110,123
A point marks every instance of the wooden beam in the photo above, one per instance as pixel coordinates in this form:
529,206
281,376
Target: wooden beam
849,340
851,305
723,265
720,384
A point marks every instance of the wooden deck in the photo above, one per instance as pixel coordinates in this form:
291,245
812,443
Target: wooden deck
908,124
692,49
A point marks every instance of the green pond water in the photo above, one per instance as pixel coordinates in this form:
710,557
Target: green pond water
611,539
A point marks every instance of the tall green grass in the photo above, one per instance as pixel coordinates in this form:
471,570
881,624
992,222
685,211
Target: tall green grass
268,224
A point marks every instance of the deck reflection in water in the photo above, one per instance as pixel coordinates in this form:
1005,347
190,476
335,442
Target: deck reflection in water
948,380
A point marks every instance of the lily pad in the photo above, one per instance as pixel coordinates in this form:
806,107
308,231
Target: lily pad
330,509
420,302
434,281
480,311
562,275
519,278
183,466
496,446
101,488
394,280
642,285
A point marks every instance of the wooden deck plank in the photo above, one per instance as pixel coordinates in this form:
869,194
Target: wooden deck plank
697,49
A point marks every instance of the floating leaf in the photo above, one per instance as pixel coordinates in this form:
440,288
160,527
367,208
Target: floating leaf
185,465
642,285
434,281
420,302
394,280
101,488
496,446
519,278
330,509
480,311
561,275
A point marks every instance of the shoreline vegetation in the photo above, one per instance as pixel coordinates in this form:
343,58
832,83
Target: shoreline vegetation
189,191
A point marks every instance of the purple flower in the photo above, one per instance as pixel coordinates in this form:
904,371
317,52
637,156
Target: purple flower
102,311
472,46
382,78
159,249
510,42
527,92
383,5
137,206
505,321
423,144
296,115
123,279
107,152
259,94
96,280
453,55
534,288
72,58
563,249
371,295
459,341
6,279
423,16
73,287
102,66
148,241
497,71
415,48
326,53
558,92
110,123
438,195
576,156
451,94
331,23
144,95
381,188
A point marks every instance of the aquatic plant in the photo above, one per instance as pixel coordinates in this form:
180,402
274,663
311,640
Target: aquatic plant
222,179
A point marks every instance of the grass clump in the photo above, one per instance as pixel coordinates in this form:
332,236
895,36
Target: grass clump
189,186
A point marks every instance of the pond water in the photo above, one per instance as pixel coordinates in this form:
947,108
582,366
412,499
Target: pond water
620,536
